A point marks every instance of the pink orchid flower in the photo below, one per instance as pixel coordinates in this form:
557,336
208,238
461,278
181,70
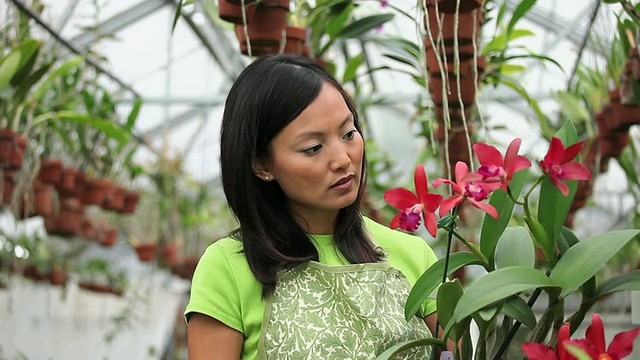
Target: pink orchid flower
558,165
536,351
594,343
411,206
494,168
469,187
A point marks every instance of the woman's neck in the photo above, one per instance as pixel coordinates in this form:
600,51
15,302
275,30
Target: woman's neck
317,223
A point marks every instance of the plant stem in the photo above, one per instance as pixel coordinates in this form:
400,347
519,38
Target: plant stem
526,196
474,249
450,233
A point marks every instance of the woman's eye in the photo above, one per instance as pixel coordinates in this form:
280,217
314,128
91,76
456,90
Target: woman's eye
350,134
312,150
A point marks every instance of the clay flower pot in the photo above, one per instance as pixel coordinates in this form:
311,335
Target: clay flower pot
146,251
450,6
50,170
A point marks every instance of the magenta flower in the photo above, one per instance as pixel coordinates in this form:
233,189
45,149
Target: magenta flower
494,168
558,164
470,187
536,351
411,206
594,344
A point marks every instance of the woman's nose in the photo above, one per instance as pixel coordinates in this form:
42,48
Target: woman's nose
340,158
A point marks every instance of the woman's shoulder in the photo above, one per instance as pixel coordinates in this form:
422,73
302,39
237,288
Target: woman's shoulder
227,248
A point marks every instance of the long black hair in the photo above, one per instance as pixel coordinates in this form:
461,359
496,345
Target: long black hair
270,93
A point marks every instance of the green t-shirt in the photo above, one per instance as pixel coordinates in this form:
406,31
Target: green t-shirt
224,288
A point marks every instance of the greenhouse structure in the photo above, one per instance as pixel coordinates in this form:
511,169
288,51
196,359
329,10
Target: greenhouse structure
522,114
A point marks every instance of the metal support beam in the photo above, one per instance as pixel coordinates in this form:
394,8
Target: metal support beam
25,9
176,121
557,24
118,22
228,59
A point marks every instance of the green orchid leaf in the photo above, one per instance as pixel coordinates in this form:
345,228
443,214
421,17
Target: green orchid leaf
519,33
519,12
336,23
400,59
567,239
489,313
553,206
585,259
109,128
492,229
517,309
29,50
61,71
24,87
628,165
625,282
361,26
515,248
496,286
352,66
8,68
432,278
391,352
541,238
448,296
545,125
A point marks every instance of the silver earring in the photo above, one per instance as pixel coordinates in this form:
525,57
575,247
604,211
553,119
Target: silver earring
266,178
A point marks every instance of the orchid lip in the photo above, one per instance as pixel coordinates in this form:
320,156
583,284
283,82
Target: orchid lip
343,180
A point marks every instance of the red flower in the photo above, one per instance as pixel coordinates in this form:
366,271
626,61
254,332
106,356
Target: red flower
558,166
535,351
469,187
494,168
411,206
594,344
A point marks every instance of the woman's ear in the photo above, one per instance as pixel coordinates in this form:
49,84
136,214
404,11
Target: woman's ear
261,169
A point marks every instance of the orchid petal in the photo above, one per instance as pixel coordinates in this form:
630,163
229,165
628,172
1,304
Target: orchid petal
584,345
400,198
420,181
622,343
564,189
456,188
595,333
461,171
511,155
430,222
488,154
488,208
535,351
564,335
431,202
395,222
520,163
555,152
575,171
449,203
571,152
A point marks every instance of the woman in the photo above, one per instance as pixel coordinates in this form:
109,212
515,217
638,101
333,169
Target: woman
305,275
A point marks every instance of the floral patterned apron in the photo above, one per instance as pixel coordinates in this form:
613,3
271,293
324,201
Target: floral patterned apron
353,311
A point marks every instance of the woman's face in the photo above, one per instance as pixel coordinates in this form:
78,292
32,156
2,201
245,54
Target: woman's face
317,158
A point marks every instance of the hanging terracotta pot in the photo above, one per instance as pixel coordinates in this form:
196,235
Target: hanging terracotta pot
447,56
109,236
232,12
50,170
16,156
296,38
95,191
42,198
170,254
146,251
58,276
67,182
450,6
8,186
442,27
114,199
131,199
257,49
267,27
7,143
185,268
467,90
624,116
68,219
